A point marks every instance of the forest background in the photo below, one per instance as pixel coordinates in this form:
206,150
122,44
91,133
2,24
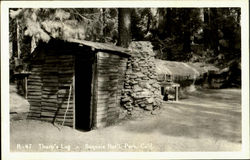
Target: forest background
206,35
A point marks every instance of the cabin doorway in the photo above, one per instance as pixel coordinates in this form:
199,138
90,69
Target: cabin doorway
83,87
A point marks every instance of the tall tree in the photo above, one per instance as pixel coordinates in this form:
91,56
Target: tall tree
124,27
162,14
214,30
206,28
169,22
187,32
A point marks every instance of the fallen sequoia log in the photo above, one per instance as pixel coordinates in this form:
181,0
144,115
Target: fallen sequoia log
185,74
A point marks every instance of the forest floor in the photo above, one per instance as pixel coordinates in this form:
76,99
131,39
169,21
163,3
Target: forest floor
206,120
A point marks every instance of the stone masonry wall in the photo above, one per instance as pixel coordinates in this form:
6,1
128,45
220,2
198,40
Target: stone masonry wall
141,88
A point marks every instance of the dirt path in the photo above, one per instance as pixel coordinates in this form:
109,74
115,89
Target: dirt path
208,120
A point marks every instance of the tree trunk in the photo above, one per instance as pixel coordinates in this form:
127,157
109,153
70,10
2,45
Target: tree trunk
124,27
207,36
14,39
18,40
214,31
161,22
187,33
149,21
169,22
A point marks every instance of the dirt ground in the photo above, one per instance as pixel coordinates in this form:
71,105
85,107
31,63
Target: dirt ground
206,120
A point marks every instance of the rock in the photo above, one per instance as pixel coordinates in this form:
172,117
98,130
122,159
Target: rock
140,75
126,99
149,107
142,105
137,88
145,78
128,105
127,87
141,89
150,100
135,65
136,69
134,82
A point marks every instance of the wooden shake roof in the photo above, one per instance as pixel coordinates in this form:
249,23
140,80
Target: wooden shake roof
102,46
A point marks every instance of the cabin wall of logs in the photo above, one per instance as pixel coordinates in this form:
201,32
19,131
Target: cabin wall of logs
110,81
51,85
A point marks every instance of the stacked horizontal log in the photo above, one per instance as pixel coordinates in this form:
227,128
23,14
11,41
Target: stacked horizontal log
109,81
141,88
34,91
65,90
48,89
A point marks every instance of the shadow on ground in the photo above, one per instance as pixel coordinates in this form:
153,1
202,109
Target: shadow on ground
212,114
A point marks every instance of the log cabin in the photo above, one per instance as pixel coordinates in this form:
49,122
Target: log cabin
76,83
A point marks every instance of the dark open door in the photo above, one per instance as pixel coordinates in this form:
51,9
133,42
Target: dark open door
83,80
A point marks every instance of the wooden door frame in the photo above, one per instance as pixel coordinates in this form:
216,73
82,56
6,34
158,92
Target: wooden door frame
94,89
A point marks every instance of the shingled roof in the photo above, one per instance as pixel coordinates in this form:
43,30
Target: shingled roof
101,46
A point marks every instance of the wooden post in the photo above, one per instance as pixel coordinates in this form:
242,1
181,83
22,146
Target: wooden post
176,93
18,40
74,95
25,87
163,90
94,91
